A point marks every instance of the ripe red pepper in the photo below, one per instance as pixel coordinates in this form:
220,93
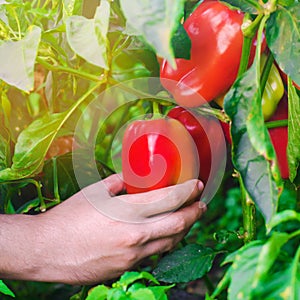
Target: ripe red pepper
157,153
207,135
279,138
216,46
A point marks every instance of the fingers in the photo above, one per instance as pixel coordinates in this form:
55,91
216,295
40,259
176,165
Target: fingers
138,208
111,185
176,222
165,200
169,231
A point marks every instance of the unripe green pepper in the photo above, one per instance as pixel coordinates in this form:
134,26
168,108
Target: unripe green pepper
273,91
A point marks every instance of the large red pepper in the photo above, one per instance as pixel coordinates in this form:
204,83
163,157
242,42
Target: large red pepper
216,46
207,135
157,153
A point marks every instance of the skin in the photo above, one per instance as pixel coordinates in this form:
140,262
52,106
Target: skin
74,243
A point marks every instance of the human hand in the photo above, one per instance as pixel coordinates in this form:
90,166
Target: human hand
78,244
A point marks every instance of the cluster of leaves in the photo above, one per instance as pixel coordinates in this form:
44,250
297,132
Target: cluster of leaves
131,285
57,56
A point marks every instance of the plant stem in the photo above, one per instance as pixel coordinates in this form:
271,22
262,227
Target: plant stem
55,180
277,123
248,33
156,108
266,72
245,55
63,69
249,220
142,95
84,292
114,133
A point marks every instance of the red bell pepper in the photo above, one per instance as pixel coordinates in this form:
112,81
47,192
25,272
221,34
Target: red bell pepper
208,137
279,138
216,46
157,153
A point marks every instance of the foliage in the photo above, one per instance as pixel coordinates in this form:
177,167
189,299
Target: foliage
56,57
131,285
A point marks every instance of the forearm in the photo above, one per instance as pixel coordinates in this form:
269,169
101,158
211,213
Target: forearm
18,238
29,247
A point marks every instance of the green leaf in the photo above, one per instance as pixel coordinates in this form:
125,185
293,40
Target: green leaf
17,60
130,277
28,206
284,216
4,145
66,180
32,146
293,149
72,7
252,153
284,284
156,21
268,255
184,265
249,6
230,258
88,37
253,269
116,294
98,293
181,43
242,271
286,2
5,290
145,294
3,153
127,65
283,39
160,291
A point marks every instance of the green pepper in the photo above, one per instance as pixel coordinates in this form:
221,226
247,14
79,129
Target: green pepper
273,91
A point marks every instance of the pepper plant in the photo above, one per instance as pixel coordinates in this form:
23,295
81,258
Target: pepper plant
56,57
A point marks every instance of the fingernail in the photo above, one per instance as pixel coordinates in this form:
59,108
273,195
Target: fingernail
203,206
200,185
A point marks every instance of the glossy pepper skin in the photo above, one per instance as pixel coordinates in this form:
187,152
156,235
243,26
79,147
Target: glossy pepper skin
216,45
206,133
157,153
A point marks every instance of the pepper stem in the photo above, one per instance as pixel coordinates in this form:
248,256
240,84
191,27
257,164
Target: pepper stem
156,108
